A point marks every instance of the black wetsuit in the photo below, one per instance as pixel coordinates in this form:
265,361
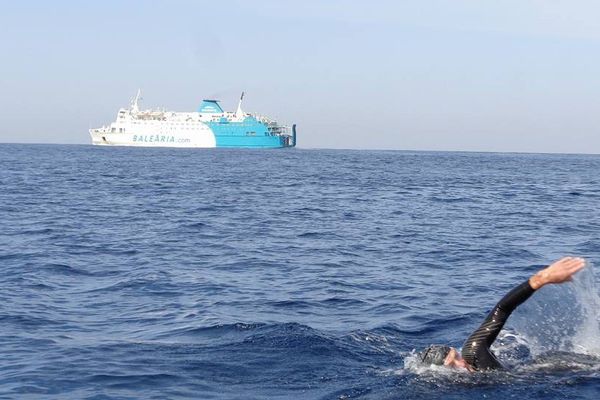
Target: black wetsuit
476,350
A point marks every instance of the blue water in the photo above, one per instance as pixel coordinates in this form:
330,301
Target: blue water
303,274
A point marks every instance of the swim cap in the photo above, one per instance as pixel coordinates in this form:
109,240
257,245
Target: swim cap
434,354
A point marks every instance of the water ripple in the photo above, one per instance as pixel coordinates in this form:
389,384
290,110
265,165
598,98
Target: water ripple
313,274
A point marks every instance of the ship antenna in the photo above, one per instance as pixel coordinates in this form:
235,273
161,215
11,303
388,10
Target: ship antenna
134,104
239,111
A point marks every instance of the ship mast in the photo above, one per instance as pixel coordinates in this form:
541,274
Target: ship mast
134,103
239,113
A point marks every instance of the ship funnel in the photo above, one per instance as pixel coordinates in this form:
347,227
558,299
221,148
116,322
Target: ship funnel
210,106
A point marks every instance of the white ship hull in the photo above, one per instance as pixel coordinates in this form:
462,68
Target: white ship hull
203,138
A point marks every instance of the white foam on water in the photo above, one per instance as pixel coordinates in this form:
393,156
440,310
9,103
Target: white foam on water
413,364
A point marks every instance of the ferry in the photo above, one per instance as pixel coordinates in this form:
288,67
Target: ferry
209,127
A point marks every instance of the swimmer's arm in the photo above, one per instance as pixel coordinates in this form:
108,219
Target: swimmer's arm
558,272
476,349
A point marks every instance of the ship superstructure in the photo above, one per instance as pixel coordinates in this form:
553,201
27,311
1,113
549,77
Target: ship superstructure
210,126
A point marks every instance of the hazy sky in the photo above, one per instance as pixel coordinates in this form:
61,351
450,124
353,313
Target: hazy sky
510,75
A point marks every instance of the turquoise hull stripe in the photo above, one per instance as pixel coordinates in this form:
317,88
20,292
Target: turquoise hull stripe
258,142
248,133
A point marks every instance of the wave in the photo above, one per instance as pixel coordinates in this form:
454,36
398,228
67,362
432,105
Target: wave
318,235
64,269
222,332
31,232
132,381
195,225
282,337
145,285
558,361
27,321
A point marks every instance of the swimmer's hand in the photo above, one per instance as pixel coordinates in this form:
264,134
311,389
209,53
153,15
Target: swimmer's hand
558,272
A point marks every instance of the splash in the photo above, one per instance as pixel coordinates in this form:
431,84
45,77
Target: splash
587,338
562,318
413,364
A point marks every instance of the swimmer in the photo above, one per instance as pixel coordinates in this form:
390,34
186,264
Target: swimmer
476,354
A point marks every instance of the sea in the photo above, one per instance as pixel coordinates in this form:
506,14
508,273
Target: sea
161,273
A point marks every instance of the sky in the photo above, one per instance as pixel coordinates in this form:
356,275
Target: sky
511,75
